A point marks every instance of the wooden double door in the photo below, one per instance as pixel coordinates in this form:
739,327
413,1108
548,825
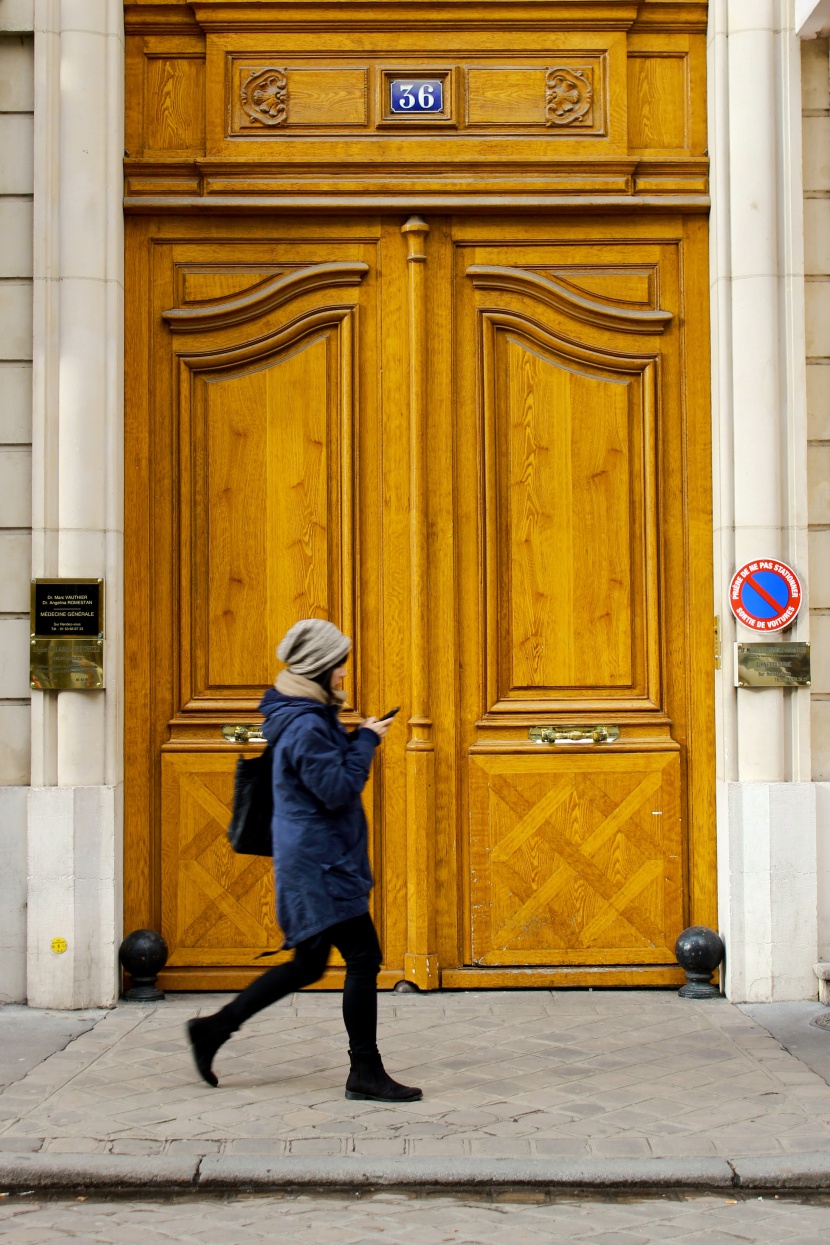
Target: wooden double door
480,446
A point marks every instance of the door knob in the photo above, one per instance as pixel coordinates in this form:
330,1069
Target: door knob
564,735
249,733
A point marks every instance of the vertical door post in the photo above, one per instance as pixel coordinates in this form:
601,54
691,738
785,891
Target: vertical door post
421,961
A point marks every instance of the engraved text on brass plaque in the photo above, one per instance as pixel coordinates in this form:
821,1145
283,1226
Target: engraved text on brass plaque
67,635
773,665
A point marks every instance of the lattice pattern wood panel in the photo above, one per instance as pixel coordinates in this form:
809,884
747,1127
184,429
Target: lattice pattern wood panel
217,908
576,859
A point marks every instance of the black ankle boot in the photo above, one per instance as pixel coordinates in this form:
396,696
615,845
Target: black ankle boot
369,1082
207,1034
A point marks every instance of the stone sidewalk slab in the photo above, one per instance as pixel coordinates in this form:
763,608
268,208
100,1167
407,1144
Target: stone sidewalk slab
789,1024
28,1036
540,1078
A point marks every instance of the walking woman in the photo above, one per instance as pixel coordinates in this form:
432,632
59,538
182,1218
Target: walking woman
320,857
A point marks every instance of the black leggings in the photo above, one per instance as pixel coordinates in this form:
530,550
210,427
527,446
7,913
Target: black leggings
357,942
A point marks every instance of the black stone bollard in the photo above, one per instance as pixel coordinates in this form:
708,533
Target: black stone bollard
406,987
143,954
699,951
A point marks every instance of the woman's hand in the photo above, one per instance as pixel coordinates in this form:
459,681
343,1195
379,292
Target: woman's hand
379,725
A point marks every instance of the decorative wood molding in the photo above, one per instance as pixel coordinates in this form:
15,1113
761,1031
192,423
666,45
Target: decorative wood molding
231,432
450,15
253,352
421,960
555,294
569,96
224,186
529,205
264,96
170,16
266,297
415,231
631,587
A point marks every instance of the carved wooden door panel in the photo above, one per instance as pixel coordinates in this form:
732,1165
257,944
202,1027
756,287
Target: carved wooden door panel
262,394
574,594
441,376
475,446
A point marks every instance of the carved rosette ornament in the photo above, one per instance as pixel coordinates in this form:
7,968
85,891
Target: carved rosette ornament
569,96
264,96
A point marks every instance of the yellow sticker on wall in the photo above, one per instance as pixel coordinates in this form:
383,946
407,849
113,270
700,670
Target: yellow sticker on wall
59,945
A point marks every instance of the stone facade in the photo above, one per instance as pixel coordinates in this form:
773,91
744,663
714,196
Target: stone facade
61,504
815,77
816,132
16,187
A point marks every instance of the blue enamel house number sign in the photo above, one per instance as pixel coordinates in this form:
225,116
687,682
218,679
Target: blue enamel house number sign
416,96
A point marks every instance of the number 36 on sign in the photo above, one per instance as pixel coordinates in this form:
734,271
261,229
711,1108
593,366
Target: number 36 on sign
416,96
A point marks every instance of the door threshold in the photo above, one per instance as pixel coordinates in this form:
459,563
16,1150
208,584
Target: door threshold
553,978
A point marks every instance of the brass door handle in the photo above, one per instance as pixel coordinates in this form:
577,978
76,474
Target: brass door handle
574,735
247,734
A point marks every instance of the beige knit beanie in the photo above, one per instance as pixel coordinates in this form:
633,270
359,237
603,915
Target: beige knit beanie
312,646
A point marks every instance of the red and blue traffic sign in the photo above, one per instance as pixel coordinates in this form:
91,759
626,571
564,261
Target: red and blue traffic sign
765,595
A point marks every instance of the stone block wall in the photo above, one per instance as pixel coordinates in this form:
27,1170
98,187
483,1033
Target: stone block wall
815,61
815,95
16,185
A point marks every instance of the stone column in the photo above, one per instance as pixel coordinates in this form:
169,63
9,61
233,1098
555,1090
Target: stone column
74,824
766,815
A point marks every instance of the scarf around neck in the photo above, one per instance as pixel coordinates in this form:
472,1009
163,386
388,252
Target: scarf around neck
297,685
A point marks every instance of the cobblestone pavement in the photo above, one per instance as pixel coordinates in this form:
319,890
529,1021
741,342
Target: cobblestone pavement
417,1220
532,1073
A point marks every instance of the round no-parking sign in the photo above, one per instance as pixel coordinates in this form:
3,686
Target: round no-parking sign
765,595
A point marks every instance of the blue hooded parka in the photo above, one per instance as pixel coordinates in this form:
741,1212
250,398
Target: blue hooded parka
319,827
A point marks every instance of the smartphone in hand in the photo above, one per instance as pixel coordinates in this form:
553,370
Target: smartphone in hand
390,714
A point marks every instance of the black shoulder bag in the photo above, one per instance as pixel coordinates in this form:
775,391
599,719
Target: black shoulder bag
253,805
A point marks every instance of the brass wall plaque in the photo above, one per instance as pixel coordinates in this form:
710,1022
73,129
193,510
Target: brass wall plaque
773,665
67,635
